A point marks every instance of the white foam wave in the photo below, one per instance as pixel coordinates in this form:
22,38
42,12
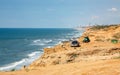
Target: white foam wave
41,42
49,47
33,54
48,41
12,65
78,35
26,61
61,41
38,40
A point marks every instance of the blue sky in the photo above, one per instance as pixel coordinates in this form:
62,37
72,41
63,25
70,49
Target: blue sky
57,13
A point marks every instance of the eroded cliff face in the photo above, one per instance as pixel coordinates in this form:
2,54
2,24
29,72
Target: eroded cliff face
100,47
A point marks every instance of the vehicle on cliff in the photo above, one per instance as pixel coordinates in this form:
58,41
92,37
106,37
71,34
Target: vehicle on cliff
86,39
75,43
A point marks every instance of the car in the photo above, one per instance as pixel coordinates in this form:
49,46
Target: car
86,39
75,43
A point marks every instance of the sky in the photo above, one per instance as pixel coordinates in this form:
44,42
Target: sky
58,13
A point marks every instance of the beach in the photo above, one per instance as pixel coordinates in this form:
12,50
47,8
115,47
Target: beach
100,56
22,46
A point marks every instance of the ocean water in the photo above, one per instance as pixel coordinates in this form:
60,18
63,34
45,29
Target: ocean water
21,46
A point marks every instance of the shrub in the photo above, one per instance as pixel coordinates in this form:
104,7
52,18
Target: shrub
114,41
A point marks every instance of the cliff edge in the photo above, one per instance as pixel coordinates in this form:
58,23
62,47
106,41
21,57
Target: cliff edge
104,45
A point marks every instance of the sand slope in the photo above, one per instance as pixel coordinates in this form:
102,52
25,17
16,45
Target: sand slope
104,67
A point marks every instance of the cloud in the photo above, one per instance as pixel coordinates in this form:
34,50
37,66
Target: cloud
113,9
94,17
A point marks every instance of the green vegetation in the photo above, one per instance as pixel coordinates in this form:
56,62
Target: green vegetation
114,41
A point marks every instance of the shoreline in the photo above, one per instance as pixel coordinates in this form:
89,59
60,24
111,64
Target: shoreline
102,49
6,67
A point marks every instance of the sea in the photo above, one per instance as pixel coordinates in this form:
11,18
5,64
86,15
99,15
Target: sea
22,46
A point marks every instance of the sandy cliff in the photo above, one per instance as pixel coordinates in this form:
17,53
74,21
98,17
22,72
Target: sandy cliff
100,48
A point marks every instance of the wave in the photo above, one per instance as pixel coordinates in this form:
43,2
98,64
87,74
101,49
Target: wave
33,54
78,34
48,41
70,36
61,41
36,40
49,46
26,61
11,66
41,42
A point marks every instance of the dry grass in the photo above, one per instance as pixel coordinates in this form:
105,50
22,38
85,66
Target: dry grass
104,27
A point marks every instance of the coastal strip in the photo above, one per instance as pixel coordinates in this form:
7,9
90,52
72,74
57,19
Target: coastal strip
100,56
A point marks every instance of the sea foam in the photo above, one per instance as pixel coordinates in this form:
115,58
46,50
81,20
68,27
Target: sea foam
26,61
41,42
